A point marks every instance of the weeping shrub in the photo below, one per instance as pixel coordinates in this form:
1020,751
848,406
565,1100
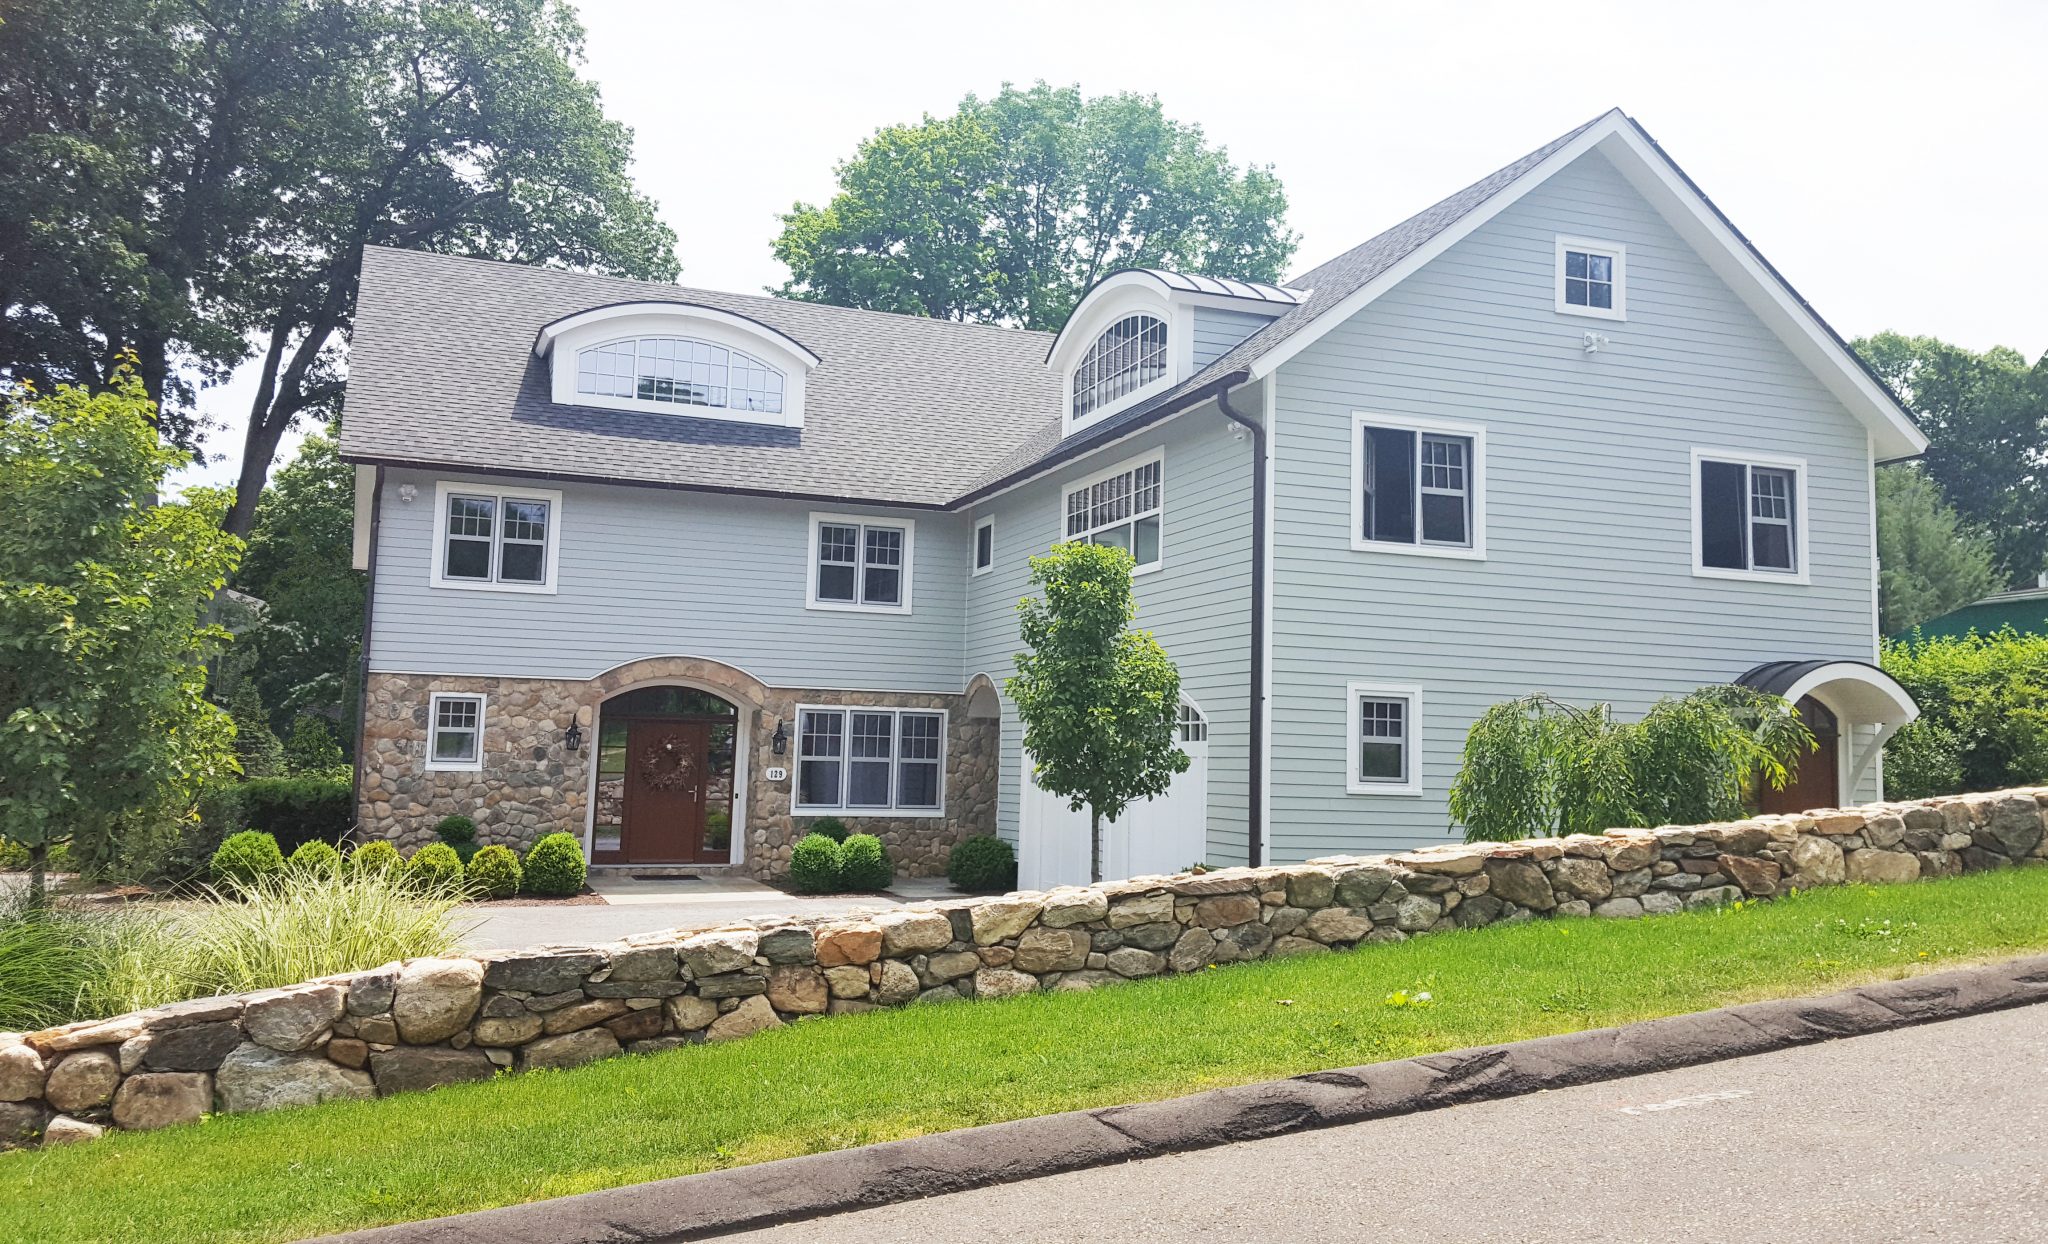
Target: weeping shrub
814,865
1537,767
864,864
435,868
982,863
554,867
246,858
493,872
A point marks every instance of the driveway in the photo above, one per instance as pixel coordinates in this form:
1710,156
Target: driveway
648,906
1938,1132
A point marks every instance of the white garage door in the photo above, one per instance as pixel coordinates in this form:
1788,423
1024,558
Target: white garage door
1162,835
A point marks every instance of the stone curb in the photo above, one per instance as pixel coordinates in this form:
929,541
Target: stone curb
696,1207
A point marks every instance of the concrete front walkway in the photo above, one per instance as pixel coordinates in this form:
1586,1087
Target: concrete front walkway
648,906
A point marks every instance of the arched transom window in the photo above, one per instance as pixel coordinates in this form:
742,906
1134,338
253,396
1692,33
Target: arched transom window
679,370
1125,358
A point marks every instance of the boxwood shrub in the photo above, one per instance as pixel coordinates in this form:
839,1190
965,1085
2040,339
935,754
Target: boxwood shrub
814,865
458,832
315,858
554,867
830,826
378,856
982,863
864,864
493,872
435,866
246,858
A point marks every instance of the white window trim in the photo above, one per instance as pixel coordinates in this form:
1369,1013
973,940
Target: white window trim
1613,250
433,727
974,567
561,341
1088,325
1353,783
818,519
444,488
1096,477
1475,472
891,812
1802,516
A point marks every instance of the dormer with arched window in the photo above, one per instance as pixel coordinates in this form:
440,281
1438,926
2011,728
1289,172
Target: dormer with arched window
1138,332
677,358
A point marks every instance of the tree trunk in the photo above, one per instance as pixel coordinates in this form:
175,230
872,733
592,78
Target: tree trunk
1094,845
38,872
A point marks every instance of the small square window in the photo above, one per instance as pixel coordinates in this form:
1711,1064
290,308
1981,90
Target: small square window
1590,278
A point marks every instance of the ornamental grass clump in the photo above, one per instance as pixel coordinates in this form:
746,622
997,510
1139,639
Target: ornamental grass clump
245,859
554,867
864,864
493,872
814,865
981,864
435,867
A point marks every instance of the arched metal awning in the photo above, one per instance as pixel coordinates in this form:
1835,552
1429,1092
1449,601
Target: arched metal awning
1856,692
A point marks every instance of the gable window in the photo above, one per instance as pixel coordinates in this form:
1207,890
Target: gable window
1417,486
1122,508
984,545
1383,728
876,760
679,371
857,563
455,732
490,538
1129,355
1590,278
1747,519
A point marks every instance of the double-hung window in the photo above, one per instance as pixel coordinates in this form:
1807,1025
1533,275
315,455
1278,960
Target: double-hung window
1417,486
858,563
1383,729
1591,278
1123,508
490,538
1748,519
455,732
870,760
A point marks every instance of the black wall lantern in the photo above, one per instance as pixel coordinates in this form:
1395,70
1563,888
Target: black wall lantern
573,738
780,739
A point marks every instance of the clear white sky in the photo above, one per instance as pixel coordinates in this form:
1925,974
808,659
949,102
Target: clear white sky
1885,156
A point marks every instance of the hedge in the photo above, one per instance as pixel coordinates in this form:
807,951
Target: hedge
296,810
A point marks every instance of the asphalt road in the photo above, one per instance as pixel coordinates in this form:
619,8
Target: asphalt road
1938,1132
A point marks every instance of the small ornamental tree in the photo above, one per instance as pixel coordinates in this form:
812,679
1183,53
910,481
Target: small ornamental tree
104,589
1100,702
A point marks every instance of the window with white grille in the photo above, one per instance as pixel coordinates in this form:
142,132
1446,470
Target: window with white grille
1129,355
1383,732
455,731
1123,508
679,371
859,563
489,538
1747,519
874,761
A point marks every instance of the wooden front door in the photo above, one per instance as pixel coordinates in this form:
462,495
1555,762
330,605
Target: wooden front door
667,774
1815,778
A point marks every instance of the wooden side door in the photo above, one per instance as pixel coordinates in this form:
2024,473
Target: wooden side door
667,769
1816,776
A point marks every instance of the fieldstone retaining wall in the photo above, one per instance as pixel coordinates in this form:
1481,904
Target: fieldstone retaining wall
428,1022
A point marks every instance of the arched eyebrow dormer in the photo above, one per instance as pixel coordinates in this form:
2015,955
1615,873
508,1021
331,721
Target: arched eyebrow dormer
677,358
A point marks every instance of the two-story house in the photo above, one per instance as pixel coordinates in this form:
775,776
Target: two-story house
677,571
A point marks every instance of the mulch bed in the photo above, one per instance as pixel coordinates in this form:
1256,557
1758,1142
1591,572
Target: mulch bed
585,899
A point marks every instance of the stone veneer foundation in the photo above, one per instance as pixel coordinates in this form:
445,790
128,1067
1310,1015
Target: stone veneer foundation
424,1022
531,784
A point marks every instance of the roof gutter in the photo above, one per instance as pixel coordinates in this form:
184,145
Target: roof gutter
1255,765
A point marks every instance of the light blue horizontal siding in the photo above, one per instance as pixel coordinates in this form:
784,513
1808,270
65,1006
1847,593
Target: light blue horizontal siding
1197,604
1587,589
1217,329
649,572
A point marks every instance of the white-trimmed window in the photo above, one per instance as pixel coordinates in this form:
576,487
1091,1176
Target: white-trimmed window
1122,507
878,761
681,371
985,545
1592,278
496,539
1383,737
455,731
1418,486
860,563
1129,355
1748,518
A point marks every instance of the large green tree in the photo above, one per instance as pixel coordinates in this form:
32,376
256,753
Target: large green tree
1009,209
1100,702
104,593
1986,419
195,182
1929,561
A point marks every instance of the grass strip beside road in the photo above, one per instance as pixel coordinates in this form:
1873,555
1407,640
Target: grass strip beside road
859,1079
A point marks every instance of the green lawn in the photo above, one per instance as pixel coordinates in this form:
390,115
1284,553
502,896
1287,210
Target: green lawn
858,1079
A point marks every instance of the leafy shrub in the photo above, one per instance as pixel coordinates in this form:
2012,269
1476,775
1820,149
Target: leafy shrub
298,809
315,859
458,832
830,826
311,751
1983,721
378,856
14,858
982,863
246,858
864,865
493,872
436,868
814,865
554,867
